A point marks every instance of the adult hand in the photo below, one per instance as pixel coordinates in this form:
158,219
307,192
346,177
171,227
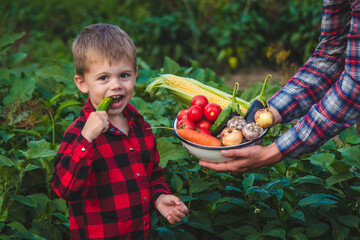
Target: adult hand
246,158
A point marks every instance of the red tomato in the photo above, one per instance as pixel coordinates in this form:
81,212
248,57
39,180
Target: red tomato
195,113
212,111
199,100
204,131
204,124
186,123
182,114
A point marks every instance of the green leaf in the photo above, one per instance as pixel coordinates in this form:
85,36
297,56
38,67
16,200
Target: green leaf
165,233
231,188
226,220
176,182
279,233
351,155
5,161
349,135
26,200
200,186
349,220
198,74
18,227
40,149
248,181
253,236
17,58
201,221
298,215
170,66
3,215
66,104
6,39
238,233
63,74
259,193
320,199
21,90
339,232
322,159
233,200
308,179
187,198
339,178
170,152
42,203
4,237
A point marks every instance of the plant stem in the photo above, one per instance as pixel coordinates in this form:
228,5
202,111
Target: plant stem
264,85
53,127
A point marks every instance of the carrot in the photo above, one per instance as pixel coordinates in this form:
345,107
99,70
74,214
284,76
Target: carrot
199,138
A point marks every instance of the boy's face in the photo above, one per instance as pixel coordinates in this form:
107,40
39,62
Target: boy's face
104,80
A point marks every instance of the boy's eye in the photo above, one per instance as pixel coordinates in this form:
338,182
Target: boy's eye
124,75
103,78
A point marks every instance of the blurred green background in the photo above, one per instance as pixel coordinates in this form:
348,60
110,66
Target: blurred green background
316,196
224,35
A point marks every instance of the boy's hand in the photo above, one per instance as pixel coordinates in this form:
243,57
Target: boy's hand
171,208
97,123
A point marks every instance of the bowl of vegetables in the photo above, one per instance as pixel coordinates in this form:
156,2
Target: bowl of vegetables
205,129
214,120
213,153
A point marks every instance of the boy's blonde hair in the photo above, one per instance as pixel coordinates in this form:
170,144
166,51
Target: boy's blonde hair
100,41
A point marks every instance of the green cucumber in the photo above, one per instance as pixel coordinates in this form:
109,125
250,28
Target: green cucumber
222,119
226,114
105,104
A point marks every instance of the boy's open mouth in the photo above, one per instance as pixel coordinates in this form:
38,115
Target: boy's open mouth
117,99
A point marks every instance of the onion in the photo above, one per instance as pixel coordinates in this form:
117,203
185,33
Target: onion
252,131
264,118
236,122
231,136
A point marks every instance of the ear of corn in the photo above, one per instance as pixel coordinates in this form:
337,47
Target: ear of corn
184,89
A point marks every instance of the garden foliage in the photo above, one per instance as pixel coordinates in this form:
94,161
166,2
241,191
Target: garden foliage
313,197
316,196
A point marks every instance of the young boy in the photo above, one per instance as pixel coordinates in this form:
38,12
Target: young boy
107,164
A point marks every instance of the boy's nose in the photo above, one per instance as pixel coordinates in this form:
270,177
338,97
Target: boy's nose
115,84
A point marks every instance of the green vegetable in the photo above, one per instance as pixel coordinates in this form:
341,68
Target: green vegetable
105,104
261,96
226,113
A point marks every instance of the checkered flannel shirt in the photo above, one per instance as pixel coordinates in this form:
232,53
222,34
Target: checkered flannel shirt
112,183
324,93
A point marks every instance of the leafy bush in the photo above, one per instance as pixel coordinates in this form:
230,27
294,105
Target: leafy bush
223,35
314,197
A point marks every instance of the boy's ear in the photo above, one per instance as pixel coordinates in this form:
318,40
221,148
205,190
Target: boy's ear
81,84
136,71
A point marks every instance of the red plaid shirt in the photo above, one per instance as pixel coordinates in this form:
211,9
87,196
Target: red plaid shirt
325,92
112,183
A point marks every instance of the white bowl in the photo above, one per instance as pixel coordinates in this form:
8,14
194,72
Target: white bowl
212,154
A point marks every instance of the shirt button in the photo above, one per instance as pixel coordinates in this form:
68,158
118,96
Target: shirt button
131,149
83,149
138,174
144,198
145,223
111,129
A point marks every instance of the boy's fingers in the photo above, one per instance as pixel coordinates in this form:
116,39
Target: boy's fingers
175,217
183,208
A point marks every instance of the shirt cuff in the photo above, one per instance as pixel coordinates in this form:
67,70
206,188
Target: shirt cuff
81,147
290,144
